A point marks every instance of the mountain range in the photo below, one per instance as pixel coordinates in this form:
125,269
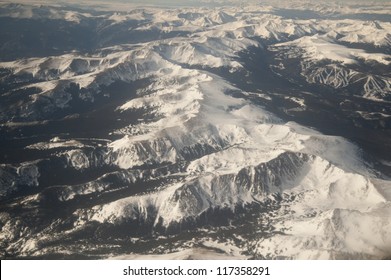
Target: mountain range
257,132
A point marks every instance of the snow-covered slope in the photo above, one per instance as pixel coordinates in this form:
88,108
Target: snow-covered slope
324,61
323,47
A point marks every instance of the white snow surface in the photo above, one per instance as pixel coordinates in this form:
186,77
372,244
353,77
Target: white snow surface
198,111
320,47
186,254
323,60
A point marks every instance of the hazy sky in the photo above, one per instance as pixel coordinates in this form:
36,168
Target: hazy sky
119,3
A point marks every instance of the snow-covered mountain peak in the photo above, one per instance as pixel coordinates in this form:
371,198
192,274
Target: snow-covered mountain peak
323,47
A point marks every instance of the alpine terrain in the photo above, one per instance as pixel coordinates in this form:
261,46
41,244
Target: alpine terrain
223,129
